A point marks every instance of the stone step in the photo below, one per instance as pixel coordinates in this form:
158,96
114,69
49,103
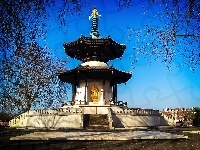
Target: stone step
98,127
98,119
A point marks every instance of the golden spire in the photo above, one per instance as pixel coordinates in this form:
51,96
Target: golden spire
94,13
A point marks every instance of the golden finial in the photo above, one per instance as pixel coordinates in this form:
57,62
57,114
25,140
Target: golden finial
94,13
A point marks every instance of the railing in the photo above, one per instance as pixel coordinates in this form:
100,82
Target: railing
61,111
16,120
118,103
58,111
83,102
67,103
121,103
79,102
135,111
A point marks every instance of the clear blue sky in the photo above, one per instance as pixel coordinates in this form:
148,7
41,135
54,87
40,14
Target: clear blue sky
151,86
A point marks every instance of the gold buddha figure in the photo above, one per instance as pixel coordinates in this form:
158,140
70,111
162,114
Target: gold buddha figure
95,93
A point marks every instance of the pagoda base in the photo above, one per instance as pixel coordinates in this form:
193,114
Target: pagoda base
74,117
95,109
97,104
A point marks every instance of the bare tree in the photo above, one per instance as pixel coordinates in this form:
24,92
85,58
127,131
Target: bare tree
27,75
175,36
28,80
23,21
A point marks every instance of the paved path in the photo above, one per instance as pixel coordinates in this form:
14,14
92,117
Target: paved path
121,135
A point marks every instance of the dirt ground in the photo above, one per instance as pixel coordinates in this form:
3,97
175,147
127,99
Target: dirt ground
181,144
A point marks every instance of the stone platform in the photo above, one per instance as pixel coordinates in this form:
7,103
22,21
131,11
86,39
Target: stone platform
75,117
119,135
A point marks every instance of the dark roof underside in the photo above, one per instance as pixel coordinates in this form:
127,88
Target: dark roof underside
82,73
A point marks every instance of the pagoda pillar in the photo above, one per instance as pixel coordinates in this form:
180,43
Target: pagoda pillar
85,95
113,90
73,92
116,93
104,97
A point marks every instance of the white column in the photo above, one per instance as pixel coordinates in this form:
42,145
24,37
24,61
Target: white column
102,97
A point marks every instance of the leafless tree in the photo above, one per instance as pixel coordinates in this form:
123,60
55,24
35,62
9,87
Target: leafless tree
23,21
175,36
27,77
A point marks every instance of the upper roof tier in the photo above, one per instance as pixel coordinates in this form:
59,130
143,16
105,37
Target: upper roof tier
94,49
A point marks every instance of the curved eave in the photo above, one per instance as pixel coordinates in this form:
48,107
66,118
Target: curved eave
104,48
82,73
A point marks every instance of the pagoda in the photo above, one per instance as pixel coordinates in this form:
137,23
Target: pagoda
94,82
94,91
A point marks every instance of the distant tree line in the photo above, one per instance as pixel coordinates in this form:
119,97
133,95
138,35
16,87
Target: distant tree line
196,117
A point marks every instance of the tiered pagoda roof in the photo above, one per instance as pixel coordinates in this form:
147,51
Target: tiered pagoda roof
88,49
95,72
94,48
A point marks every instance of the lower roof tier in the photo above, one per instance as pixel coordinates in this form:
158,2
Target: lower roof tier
101,72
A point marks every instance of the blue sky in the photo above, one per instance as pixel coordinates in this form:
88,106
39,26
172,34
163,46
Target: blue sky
151,86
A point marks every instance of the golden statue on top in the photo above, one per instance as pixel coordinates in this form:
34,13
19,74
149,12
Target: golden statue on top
94,13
